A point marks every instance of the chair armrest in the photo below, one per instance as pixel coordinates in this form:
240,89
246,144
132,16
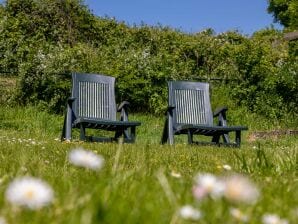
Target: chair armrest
170,109
124,105
69,111
70,101
123,109
220,110
221,114
69,118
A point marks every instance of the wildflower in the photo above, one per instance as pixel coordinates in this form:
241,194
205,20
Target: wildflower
87,159
240,189
23,169
227,167
190,213
208,184
29,192
238,215
294,211
2,220
175,174
273,219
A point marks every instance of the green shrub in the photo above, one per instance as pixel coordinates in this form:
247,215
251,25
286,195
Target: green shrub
46,79
258,70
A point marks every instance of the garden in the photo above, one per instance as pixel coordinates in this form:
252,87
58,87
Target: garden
46,180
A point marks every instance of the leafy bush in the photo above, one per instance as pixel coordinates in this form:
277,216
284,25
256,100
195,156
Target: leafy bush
269,77
142,58
45,79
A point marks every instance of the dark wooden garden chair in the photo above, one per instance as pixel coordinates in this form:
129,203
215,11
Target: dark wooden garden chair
189,112
92,105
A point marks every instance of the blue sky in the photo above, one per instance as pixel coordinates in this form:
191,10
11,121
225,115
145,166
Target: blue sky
246,16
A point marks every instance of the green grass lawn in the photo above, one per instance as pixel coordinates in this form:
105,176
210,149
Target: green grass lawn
143,182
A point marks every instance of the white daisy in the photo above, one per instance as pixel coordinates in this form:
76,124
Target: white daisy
190,213
227,167
238,215
175,174
208,184
29,192
88,159
2,220
240,189
273,219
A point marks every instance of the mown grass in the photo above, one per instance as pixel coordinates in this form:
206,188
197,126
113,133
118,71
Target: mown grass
136,184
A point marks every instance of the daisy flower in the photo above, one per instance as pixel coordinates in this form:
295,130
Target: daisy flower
240,189
208,184
238,215
88,159
227,167
273,219
29,192
2,220
190,213
175,174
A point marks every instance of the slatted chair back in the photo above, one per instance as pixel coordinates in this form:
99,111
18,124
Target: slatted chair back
94,96
191,103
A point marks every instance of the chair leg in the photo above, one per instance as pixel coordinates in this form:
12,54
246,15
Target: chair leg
118,134
82,133
133,134
126,134
215,139
68,123
67,129
129,137
189,136
63,130
170,135
238,138
165,133
226,138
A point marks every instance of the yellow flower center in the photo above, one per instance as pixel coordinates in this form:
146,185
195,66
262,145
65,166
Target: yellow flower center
29,194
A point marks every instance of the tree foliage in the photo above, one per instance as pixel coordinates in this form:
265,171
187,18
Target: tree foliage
285,12
43,41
